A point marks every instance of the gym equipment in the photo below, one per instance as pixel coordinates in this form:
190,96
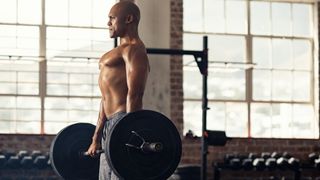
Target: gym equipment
294,163
259,164
26,162
143,145
271,163
247,164
235,163
40,162
3,161
312,156
65,151
216,138
282,163
265,155
13,162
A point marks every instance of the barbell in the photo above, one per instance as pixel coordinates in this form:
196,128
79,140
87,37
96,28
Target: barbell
143,145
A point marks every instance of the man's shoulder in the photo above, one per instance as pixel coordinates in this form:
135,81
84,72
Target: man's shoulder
134,51
133,46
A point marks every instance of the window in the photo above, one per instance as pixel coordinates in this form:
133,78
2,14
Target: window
261,80
49,50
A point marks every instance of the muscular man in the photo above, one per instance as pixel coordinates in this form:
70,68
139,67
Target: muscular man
123,76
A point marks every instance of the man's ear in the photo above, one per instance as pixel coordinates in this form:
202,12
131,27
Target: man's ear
129,19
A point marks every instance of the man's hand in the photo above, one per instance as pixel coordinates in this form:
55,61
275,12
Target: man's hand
92,151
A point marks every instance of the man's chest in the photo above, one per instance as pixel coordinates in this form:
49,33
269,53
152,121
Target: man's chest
111,59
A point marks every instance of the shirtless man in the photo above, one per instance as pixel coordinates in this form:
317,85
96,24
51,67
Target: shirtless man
123,75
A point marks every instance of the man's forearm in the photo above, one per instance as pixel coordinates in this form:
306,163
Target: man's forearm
98,131
134,102
100,124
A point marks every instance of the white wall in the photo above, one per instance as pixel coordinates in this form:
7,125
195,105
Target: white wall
154,30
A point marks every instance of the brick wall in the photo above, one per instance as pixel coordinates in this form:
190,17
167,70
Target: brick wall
176,73
14,143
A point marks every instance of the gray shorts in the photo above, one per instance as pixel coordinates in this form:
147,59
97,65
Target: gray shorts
105,171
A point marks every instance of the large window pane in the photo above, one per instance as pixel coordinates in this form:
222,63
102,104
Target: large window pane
281,19
192,117
100,12
231,117
214,16
261,120
236,16
302,20
29,11
304,123
192,15
260,18
281,120
8,11
7,126
227,48
19,76
302,54
54,6
282,54
19,40
302,86
79,42
282,85
70,77
236,119
223,16
27,127
63,111
261,52
80,12
55,127
216,116
90,13
28,102
20,114
261,85
192,82
226,84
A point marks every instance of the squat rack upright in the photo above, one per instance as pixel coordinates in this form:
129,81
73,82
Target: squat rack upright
201,58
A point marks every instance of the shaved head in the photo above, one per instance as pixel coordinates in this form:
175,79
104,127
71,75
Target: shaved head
129,8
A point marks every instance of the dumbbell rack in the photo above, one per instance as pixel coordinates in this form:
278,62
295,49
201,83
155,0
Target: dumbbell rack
267,163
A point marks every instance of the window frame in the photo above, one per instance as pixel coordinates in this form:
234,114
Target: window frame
249,59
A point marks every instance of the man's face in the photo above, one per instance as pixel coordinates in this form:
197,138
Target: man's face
116,23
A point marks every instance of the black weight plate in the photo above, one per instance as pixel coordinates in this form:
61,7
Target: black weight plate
65,153
133,164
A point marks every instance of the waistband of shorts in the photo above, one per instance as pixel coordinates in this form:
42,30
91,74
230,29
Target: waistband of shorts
116,114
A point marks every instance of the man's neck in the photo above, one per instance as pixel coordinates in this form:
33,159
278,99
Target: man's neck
129,39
